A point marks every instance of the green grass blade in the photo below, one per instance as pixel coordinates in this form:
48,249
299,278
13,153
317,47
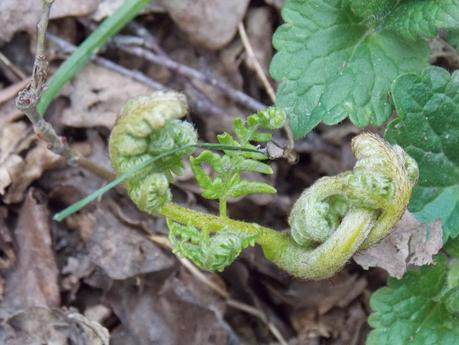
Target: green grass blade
86,200
109,27
94,195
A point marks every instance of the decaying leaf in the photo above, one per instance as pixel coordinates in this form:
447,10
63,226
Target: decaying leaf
17,172
11,163
211,24
259,31
23,15
37,160
108,7
9,168
32,281
121,251
96,98
39,325
170,310
7,255
321,296
410,243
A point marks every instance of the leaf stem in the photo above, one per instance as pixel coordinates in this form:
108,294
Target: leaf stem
222,207
306,261
213,223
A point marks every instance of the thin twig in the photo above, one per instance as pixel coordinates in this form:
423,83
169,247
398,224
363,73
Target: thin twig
202,104
69,48
256,64
27,100
16,70
289,151
236,95
259,314
150,40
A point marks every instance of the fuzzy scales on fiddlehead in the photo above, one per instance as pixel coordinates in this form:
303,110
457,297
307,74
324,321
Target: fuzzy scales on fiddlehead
331,220
339,215
146,128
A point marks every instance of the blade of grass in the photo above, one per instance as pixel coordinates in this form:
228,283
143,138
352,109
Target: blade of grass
109,27
94,195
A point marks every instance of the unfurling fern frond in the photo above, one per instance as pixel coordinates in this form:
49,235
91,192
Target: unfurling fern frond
212,252
228,167
147,127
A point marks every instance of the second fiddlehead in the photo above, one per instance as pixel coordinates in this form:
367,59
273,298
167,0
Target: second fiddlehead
331,220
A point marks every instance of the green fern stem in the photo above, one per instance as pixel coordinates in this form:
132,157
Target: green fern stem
222,207
300,260
330,221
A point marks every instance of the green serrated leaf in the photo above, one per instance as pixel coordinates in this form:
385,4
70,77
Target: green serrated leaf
254,166
453,38
428,130
250,187
452,247
414,310
371,9
331,64
229,167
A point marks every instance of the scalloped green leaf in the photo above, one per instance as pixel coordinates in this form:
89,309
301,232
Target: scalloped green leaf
417,309
453,39
332,64
428,129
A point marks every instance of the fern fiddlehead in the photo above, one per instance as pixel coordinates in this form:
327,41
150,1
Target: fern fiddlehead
330,221
148,126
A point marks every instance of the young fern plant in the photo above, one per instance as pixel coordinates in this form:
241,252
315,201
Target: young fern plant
331,220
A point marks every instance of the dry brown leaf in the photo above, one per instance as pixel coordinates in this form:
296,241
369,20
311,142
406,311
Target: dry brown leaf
11,163
276,3
211,24
97,95
228,63
37,161
11,91
23,15
321,296
108,7
7,255
11,136
33,280
260,32
16,172
121,251
9,112
11,167
410,243
173,309
38,325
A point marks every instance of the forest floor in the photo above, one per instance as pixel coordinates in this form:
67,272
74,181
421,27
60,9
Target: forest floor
109,264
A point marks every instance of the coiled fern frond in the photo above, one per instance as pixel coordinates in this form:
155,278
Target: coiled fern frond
147,127
330,221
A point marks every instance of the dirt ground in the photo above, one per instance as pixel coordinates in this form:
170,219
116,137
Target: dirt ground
107,265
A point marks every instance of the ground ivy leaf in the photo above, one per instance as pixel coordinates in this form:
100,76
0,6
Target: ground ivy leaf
453,38
331,64
428,129
413,18
413,310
